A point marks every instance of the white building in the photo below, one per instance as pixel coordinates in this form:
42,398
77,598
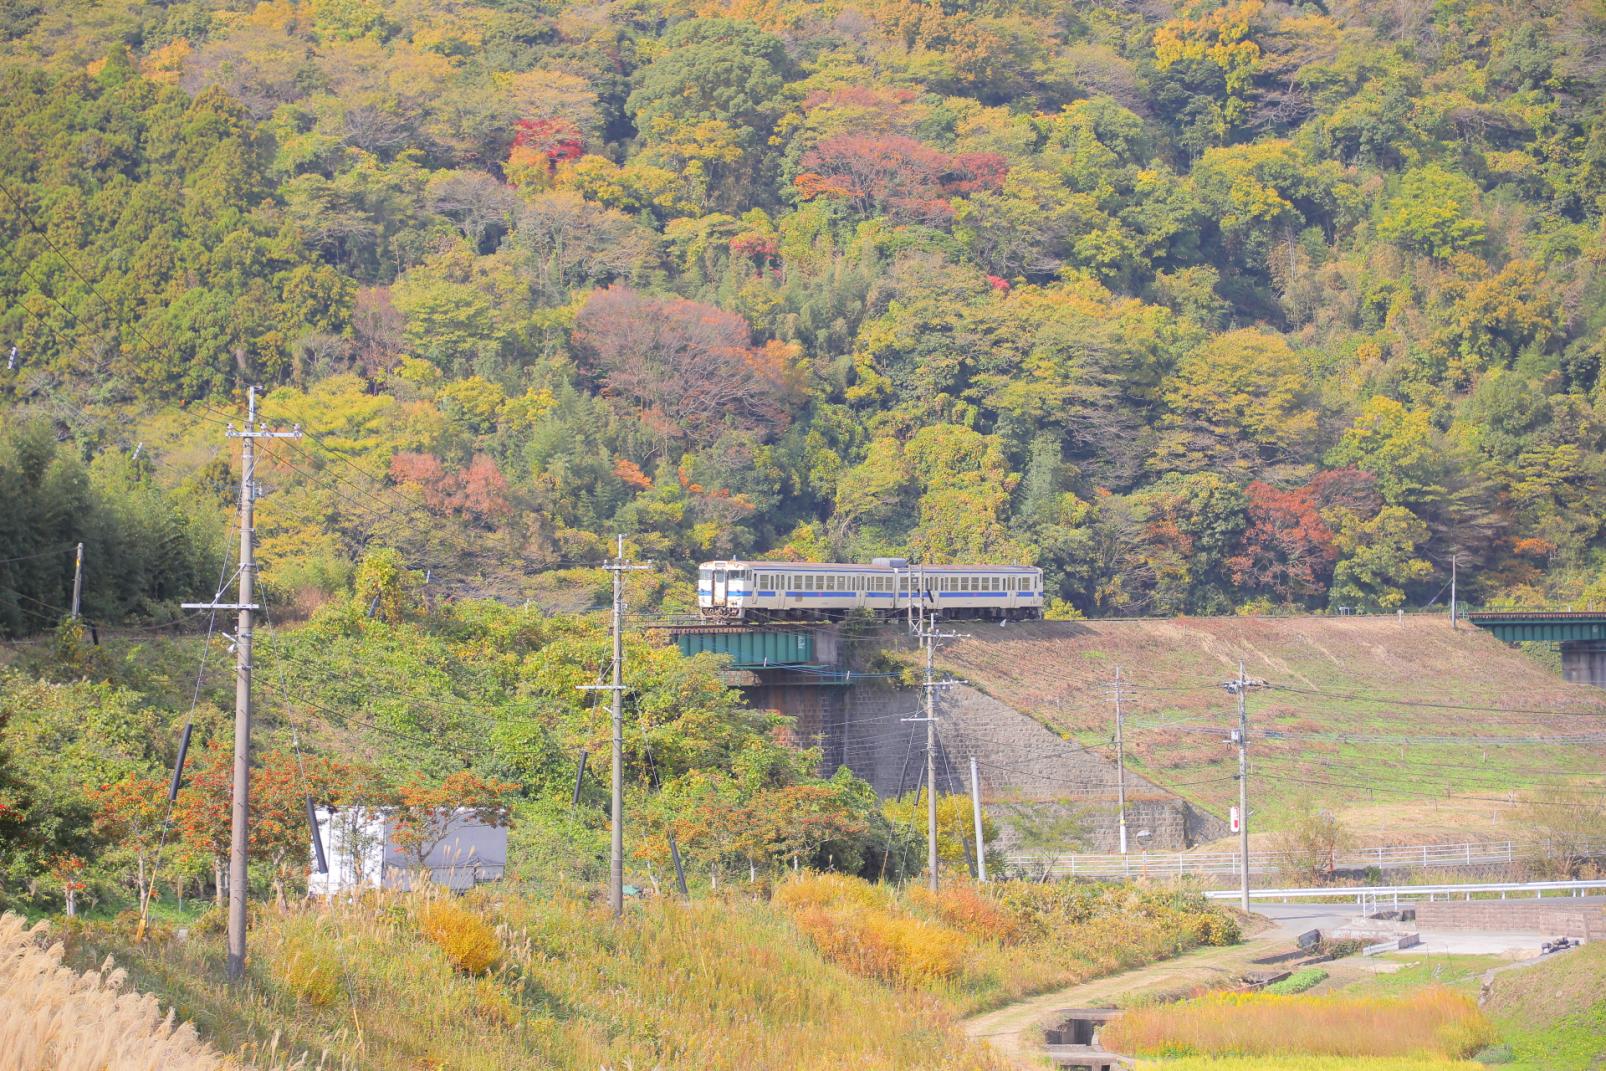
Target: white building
363,855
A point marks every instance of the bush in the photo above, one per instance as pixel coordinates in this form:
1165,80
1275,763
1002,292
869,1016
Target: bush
965,908
470,945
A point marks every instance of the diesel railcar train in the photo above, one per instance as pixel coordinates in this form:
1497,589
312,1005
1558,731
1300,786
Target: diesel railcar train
756,590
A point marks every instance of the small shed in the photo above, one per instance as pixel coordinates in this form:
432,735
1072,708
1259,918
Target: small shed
362,853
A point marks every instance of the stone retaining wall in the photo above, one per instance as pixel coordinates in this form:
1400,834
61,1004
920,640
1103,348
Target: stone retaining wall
1553,917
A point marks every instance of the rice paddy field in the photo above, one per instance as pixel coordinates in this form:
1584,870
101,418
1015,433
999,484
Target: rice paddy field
1423,1013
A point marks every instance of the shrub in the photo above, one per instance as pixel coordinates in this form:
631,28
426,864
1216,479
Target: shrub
470,945
877,944
966,909
830,891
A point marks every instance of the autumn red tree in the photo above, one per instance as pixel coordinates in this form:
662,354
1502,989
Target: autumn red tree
556,139
896,176
691,369
281,839
1287,550
477,491
67,871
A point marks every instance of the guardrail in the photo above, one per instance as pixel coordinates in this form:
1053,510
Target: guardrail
1372,895
1177,864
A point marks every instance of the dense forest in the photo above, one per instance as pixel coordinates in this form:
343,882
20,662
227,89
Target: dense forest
1202,307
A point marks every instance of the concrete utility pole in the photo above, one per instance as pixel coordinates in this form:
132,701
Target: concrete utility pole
1120,763
975,807
1240,688
77,580
1453,622
929,635
240,802
616,853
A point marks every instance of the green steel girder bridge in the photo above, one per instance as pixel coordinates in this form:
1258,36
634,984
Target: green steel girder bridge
804,654
1581,635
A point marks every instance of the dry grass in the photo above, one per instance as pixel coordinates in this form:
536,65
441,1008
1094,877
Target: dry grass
1430,1023
979,947
711,985
53,1018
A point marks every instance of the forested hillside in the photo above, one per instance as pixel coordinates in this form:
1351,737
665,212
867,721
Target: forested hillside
1199,306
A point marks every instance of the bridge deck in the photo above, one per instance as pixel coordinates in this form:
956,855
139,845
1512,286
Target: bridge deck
1560,626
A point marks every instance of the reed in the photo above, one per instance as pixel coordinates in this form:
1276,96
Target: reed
53,1018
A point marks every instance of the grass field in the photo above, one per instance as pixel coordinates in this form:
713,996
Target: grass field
1343,694
383,985
833,973
1552,1015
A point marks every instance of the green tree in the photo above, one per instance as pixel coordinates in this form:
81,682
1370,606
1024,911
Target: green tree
1433,212
1377,559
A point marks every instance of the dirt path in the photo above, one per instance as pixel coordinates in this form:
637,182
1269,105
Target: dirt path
1014,1030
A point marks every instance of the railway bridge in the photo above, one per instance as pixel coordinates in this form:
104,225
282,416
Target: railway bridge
861,713
1581,635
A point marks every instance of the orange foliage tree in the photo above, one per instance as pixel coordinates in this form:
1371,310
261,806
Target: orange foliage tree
426,810
129,813
1287,549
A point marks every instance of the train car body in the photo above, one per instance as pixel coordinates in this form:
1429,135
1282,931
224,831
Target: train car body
759,590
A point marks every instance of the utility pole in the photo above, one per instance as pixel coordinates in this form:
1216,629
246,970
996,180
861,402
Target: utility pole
77,580
929,635
240,801
1120,763
1240,688
616,853
1453,622
975,807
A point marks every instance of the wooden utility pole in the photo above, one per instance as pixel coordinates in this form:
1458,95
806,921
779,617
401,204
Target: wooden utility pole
240,800
77,580
1120,764
616,848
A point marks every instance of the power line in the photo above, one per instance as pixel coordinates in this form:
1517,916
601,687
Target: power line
1386,701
